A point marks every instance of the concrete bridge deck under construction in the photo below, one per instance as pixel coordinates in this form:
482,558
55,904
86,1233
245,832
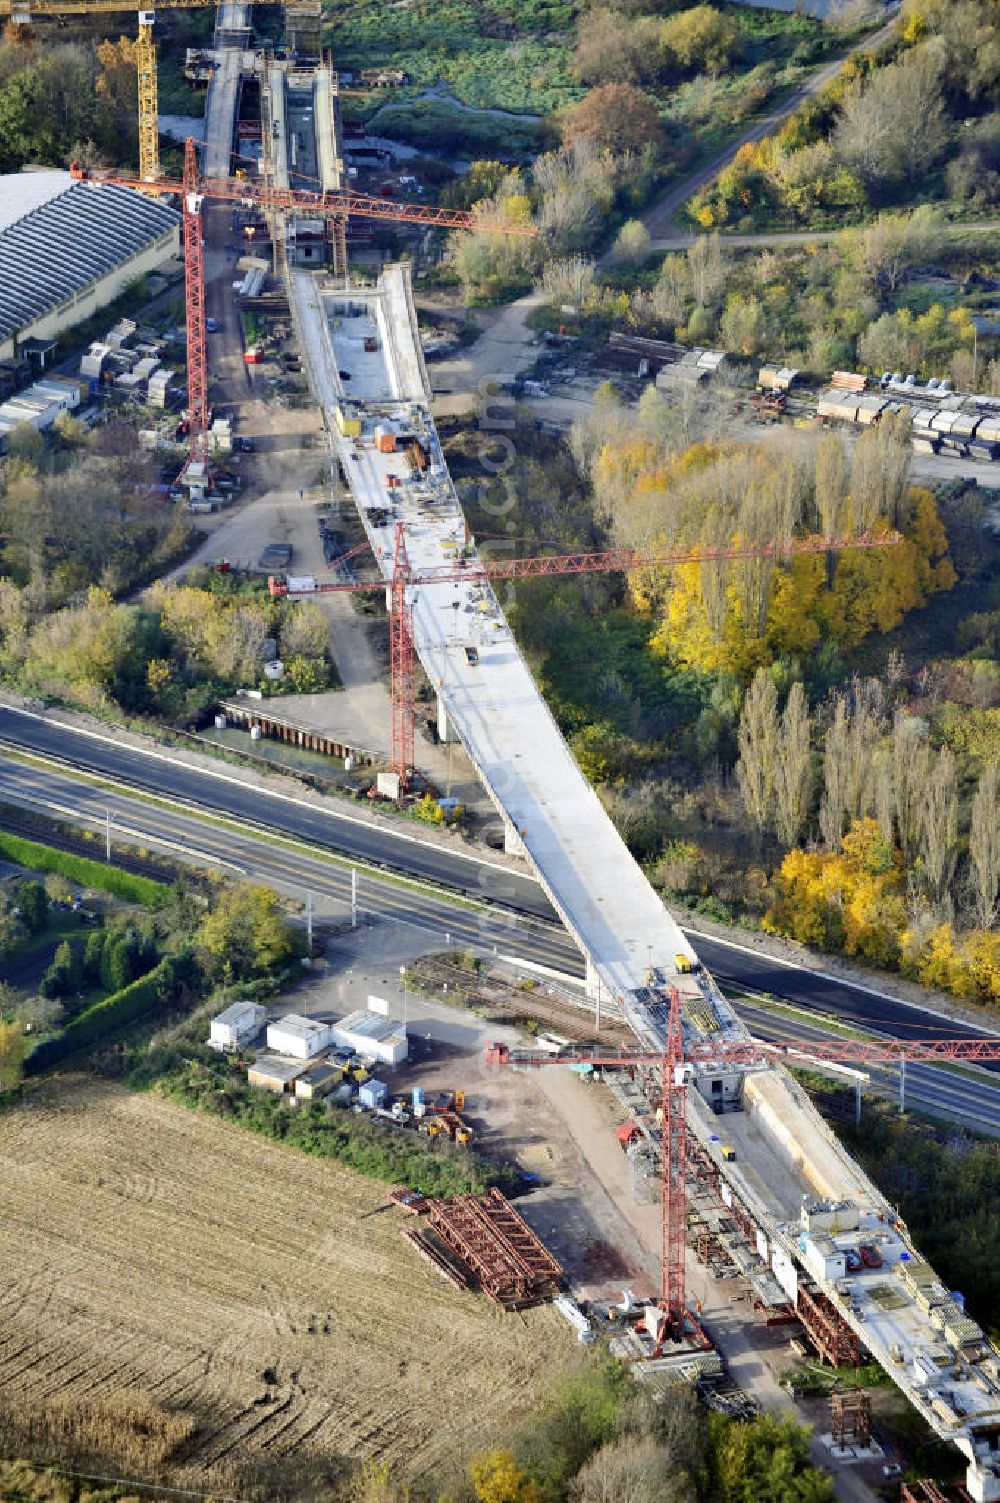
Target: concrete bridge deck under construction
790,1172
786,1157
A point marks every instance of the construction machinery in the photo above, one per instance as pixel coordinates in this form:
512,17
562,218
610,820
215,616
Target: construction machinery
193,190
404,580
675,1066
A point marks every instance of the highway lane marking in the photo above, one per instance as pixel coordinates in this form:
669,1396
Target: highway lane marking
222,777
426,845
457,922
172,845
173,803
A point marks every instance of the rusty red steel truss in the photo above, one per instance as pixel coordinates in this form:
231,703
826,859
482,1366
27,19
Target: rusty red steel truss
830,1333
497,1247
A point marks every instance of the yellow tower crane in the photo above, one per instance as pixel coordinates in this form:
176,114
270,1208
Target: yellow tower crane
23,12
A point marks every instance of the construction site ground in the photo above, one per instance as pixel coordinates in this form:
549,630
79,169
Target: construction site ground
550,1122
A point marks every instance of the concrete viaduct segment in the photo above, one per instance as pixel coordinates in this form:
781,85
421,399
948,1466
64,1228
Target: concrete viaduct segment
783,1166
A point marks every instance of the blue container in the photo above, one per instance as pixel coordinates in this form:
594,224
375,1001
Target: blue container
418,1095
373,1093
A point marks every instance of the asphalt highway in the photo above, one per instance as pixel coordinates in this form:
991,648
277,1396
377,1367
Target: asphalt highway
520,917
938,1092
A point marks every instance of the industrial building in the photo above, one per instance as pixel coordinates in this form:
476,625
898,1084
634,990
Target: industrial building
67,249
303,1038
239,1023
373,1036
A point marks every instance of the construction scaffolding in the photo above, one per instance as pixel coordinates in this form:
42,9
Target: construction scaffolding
933,1492
851,1418
832,1337
481,1240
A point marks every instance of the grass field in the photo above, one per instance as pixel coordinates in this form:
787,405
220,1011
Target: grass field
236,1288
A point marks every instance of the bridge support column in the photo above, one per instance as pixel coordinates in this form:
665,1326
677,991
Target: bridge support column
512,843
443,724
982,1483
594,988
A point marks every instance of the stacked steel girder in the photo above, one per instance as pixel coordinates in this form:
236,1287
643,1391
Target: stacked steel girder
497,1246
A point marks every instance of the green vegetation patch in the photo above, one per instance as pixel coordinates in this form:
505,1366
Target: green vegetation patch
501,56
195,1077
45,858
434,125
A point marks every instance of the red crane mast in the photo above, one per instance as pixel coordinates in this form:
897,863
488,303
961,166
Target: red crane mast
403,580
194,189
672,1063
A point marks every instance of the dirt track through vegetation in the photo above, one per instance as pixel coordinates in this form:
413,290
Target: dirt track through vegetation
146,1249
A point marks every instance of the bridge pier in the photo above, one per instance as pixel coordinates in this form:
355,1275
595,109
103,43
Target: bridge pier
513,845
982,1482
444,730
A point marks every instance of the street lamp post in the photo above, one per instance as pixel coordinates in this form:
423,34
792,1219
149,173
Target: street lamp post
402,977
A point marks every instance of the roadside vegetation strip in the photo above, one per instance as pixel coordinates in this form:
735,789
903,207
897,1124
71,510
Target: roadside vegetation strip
396,1155
46,858
242,827
109,1015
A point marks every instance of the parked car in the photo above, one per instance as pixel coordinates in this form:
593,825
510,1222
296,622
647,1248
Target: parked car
870,1255
853,1260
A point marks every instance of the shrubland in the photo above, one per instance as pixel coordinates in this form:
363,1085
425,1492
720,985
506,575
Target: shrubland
907,123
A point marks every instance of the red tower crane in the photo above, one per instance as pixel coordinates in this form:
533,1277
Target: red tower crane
194,189
671,1063
404,580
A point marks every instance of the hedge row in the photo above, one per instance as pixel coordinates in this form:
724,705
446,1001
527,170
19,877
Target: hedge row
105,1017
82,869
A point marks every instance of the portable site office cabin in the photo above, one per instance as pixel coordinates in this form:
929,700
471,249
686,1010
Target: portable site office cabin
373,1036
239,1022
303,1038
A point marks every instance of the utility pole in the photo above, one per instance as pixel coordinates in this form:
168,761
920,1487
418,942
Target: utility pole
107,836
309,920
902,1085
354,897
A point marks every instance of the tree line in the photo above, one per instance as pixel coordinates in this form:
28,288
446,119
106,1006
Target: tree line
893,846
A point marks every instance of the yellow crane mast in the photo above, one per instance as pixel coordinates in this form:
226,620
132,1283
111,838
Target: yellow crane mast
23,12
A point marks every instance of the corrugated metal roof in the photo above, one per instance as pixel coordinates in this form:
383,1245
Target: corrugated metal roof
61,246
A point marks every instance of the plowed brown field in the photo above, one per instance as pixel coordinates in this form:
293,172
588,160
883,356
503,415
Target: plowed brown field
145,1249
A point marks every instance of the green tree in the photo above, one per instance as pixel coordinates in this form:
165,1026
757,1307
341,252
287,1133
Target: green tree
92,955
767,1461
33,901
245,934
61,977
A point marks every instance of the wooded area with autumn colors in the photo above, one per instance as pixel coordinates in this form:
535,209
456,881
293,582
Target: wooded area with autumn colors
812,745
